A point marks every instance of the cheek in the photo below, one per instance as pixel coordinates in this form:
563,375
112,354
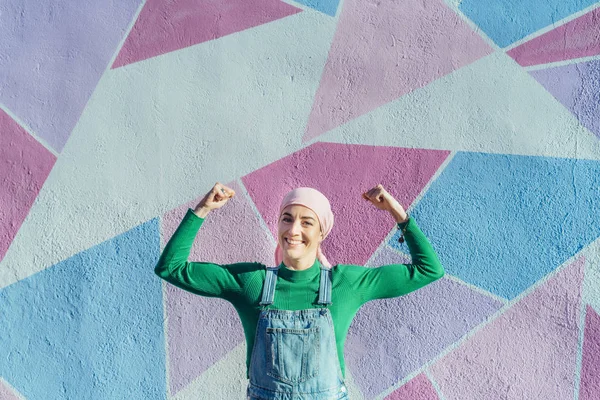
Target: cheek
315,237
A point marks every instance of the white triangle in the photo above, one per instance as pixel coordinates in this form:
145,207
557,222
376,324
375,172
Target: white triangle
492,105
11,390
158,133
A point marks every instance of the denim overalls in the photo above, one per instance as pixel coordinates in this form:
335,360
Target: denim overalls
295,355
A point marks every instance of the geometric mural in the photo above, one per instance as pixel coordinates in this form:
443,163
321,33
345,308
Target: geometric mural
7,393
418,388
119,130
495,153
575,39
590,364
442,312
24,166
221,242
66,329
507,21
515,216
374,50
387,255
53,55
577,87
328,7
196,323
165,26
343,173
529,352
467,111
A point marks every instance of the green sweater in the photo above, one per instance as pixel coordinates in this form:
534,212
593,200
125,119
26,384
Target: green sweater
241,283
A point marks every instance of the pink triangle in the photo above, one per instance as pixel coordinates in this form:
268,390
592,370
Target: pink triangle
25,166
575,39
590,363
168,25
202,330
418,388
529,352
383,50
343,173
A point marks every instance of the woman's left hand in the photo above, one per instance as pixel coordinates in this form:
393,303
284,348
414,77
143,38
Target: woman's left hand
384,201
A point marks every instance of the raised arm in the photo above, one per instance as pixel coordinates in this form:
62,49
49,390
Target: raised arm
398,279
203,278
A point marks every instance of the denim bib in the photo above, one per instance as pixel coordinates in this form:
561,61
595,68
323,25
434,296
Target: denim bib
295,354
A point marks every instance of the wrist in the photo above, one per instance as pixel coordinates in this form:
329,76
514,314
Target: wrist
399,216
201,212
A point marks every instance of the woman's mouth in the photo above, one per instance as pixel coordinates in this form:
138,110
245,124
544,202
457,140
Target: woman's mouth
293,243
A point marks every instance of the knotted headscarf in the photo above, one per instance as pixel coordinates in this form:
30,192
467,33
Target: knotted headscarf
317,202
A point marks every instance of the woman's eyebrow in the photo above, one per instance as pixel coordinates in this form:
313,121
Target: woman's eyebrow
290,215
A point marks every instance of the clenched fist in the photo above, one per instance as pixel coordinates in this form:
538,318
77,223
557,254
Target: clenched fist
384,201
216,198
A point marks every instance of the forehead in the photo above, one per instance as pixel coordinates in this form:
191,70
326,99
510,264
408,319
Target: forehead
297,210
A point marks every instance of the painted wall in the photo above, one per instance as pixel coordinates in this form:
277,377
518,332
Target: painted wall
482,118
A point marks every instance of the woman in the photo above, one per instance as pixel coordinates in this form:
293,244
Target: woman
296,315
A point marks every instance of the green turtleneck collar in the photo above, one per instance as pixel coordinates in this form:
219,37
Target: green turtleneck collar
297,276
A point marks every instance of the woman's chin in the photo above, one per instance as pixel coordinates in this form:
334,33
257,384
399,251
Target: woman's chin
293,254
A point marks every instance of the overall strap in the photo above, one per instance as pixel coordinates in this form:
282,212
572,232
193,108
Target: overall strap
325,286
268,293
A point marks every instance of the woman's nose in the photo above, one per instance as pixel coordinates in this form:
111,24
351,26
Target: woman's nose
296,227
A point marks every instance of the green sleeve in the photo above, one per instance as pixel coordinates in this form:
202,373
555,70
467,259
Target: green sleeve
203,278
398,279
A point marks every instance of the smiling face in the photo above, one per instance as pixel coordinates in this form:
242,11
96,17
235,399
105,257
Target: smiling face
299,234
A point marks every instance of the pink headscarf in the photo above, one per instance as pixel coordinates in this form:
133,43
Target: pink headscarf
317,202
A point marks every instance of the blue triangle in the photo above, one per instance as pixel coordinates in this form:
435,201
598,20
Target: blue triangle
89,327
507,21
328,7
502,222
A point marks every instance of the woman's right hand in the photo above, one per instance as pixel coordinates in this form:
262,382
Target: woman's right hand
216,198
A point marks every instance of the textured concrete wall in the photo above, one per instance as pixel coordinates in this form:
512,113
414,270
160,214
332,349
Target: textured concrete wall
482,118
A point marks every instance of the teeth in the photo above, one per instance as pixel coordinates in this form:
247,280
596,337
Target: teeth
290,241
